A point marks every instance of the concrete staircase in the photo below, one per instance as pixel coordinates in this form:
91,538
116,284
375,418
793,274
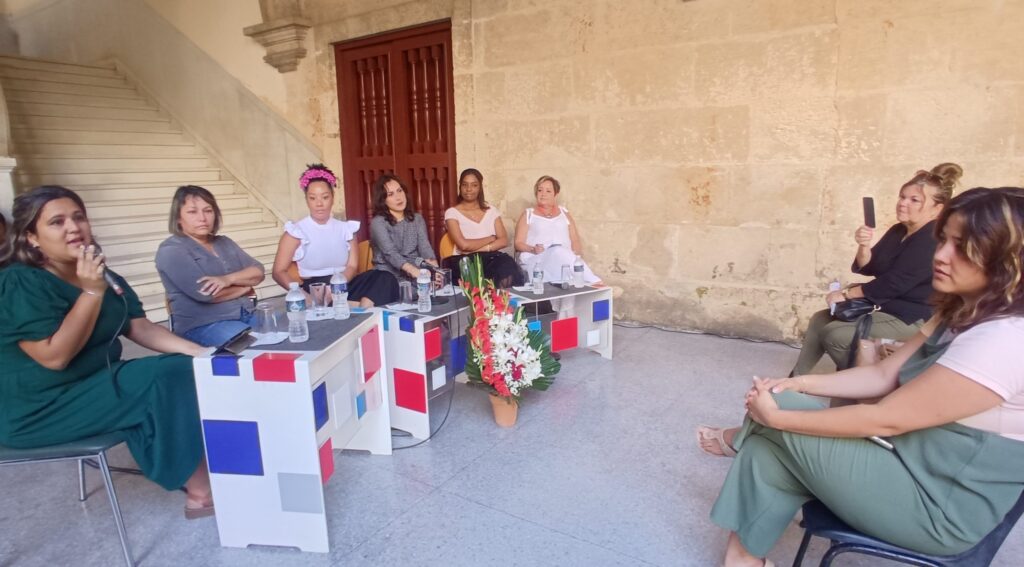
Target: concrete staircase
87,128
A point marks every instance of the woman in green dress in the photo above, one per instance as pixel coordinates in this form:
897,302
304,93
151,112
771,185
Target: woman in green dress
63,378
952,407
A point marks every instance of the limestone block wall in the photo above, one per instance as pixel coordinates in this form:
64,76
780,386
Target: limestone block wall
715,152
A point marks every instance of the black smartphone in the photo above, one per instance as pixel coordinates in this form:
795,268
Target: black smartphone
869,212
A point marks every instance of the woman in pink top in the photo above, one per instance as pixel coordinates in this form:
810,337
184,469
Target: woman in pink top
476,228
950,404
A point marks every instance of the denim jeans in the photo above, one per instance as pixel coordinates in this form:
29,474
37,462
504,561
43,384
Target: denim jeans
218,333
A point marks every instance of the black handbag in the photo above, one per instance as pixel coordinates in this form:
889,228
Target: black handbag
852,309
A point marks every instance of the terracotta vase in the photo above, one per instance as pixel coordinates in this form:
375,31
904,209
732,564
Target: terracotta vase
506,410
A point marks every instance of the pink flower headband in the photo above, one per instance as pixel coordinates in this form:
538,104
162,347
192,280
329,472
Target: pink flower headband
316,173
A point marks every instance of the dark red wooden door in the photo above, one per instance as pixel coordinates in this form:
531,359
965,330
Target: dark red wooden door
396,108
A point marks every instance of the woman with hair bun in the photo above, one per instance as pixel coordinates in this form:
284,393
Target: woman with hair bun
322,245
901,263
950,403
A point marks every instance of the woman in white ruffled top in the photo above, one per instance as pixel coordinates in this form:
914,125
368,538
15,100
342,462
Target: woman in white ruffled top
546,233
322,245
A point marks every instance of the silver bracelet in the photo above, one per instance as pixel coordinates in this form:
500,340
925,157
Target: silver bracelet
89,292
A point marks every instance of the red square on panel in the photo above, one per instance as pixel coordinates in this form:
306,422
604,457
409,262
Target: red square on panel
432,344
326,461
370,346
564,334
274,367
410,390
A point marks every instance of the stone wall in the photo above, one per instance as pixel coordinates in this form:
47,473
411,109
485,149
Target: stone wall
715,152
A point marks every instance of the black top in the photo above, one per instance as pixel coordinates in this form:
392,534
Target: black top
903,273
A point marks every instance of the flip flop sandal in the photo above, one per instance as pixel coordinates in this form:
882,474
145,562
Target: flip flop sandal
708,433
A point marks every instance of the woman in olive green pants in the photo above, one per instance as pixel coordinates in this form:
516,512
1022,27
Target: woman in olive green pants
952,407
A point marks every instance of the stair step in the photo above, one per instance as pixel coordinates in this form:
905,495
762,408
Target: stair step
18,108
117,246
141,225
92,124
106,192
41,149
23,134
125,164
126,91
7,72
182,177
57,66
140,264
17,95
142,205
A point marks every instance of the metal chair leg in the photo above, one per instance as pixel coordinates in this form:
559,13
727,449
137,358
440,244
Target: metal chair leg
81,480
799,559
105,470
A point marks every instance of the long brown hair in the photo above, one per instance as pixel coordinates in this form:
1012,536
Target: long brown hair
993,239
24,216
379,196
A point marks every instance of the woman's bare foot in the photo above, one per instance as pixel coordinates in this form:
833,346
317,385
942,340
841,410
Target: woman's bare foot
717,441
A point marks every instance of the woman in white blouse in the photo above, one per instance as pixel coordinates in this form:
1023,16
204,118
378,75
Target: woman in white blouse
546,234
476,228
322,245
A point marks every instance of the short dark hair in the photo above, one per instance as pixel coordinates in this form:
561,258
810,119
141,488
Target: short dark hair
480,200
25,215
379,197
178,201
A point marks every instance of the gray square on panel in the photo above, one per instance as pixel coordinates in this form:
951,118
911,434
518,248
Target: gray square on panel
300,493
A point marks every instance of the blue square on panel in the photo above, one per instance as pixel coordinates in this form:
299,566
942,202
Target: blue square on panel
514,302
385,315
360,405
358,309
458,356
320,411
406,324
233,447
534,325
601,310
225,365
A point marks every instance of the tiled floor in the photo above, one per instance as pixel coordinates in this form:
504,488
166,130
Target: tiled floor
601,470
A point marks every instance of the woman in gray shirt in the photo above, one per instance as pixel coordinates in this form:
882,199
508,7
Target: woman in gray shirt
207,277
398,234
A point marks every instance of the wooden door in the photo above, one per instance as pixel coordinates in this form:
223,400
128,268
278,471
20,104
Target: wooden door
396,109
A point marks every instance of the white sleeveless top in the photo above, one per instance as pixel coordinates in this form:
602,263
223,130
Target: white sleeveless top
323,248
551,232
471,229
548,231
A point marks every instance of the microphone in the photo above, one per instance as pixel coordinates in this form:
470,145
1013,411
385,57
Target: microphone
108,276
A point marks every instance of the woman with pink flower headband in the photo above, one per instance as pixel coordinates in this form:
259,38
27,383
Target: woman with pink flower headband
322,245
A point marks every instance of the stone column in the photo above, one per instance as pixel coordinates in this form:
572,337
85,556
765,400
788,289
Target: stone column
6,186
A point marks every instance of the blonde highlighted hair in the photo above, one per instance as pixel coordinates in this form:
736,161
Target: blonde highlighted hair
992,239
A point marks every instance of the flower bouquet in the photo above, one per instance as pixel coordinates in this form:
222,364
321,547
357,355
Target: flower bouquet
504,356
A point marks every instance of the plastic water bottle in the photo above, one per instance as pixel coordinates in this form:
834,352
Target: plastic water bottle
423,289
295,305
577,272
538,279
339,296
833,286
